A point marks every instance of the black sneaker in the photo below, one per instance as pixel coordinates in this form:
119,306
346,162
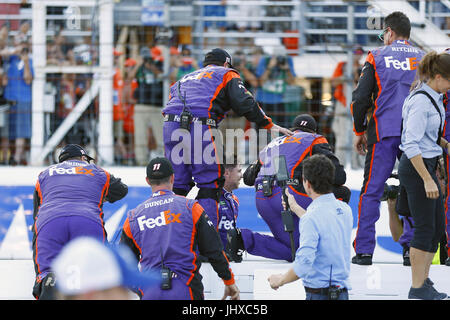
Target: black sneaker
426,292
363,259
406,260
441,295
235,245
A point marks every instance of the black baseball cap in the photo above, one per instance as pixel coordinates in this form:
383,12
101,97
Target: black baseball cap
71,151
217,56
305,121
159,168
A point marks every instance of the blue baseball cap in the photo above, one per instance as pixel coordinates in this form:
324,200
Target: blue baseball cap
85,264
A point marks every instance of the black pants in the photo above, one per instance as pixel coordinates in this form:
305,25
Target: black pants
428,214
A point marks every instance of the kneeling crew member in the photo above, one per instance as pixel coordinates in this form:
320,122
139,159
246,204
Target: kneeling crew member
168,232
296,148
68,202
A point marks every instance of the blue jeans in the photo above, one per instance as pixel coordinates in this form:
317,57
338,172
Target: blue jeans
318,296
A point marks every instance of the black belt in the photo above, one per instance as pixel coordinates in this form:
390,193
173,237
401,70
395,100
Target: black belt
323,291
205,121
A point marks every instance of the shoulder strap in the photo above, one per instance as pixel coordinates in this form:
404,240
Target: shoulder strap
437,109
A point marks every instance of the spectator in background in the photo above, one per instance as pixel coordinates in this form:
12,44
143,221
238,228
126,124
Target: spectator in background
87,269
274,73
148,120
67,96
56,50
183,64
342,119
118,112
18,93
129,87
22,34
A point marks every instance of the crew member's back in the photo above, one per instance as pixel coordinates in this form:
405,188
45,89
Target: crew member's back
72,188
167,232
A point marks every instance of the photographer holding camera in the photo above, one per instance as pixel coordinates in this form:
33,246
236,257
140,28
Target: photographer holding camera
274,73
327,223
148,119
183,64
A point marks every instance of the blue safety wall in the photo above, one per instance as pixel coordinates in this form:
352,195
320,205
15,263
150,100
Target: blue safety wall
12,196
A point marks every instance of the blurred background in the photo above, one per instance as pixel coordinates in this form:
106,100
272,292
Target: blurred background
84,71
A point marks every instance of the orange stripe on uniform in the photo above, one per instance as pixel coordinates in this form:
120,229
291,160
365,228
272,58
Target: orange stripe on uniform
100,203
36,250
127,230
226,78
371,60
39,191
319,140
197,211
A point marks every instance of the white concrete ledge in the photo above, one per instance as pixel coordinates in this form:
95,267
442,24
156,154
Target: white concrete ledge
376,282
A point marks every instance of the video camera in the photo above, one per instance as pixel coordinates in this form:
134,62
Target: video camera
390,191
283,180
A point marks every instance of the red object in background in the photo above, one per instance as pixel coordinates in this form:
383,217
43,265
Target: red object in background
291,43
248,125
187,60
10,8
128,108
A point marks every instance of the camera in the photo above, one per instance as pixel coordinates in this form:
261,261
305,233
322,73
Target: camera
390,191
281,61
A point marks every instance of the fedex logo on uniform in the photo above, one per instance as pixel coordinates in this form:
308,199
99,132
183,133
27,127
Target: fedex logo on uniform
163,219
407,64
73,170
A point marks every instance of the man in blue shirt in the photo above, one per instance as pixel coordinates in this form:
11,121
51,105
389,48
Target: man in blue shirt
323,259
18,94
274,74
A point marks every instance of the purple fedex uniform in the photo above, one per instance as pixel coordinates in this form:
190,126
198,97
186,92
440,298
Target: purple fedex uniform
68,202
173,230
228,213
383,86
295,148
209,93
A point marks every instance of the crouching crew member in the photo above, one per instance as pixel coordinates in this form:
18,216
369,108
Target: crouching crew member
168,232
296,148
68,202
197,103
